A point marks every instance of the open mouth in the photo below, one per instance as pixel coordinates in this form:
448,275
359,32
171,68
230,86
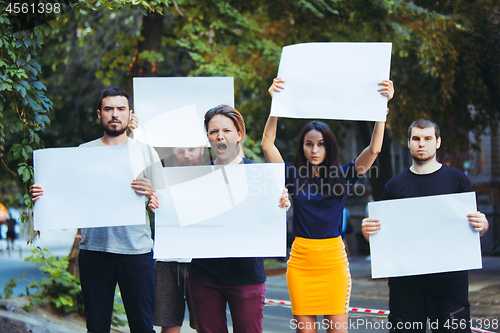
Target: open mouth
221,147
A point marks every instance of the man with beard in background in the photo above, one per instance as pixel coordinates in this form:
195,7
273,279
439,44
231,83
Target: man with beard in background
172,291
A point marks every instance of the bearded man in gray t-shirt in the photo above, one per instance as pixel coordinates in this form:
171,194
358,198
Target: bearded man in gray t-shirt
118,255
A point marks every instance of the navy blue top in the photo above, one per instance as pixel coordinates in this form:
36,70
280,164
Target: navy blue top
316,217
234,271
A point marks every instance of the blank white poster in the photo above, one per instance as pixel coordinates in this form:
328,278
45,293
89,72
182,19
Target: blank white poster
171,110
333,81
424,235
214,211
88,187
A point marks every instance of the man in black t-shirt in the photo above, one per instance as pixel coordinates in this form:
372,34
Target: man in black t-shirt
441,297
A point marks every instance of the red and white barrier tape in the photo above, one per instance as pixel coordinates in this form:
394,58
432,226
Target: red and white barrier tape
362,310
371,311
273,301
478,330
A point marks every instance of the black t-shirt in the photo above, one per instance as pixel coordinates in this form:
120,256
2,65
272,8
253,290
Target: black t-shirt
450,285
230,270
11,225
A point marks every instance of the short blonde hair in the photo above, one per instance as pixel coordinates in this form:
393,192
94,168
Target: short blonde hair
231,113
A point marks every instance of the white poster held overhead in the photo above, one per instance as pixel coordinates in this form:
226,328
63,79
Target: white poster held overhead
171,110
424,235
221,211
333,81
88,187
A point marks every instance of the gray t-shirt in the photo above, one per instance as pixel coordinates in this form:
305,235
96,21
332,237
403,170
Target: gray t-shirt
132,239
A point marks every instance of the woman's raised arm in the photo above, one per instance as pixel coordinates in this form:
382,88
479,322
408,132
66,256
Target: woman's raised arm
370,153
270,151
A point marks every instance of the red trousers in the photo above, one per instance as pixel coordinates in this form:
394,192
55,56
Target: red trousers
246,303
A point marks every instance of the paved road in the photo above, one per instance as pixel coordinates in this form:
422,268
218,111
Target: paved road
277,319
13,267
12,261
484,289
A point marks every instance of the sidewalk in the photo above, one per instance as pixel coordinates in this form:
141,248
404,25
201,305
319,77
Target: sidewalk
484,288
59,243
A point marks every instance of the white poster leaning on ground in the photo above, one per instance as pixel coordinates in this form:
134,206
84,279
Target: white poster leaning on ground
88,187
424,235
333,81
221,211
171,110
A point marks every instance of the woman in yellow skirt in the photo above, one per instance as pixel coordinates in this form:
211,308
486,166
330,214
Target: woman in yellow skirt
318,275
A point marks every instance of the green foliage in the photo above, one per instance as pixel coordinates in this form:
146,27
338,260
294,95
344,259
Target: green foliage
116,62
150,56
58,287
118,311
9,286
144,6
24,107
445,60
252,149
441,53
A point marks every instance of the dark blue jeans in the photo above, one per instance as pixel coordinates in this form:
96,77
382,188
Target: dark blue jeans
99,274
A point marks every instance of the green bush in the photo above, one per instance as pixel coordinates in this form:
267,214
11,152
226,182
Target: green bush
58,287
9,286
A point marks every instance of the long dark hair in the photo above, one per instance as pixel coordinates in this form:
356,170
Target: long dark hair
330,170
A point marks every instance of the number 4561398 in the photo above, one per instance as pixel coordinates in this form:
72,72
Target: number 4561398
33,8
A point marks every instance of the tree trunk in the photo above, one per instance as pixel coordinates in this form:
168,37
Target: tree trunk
151,33
73,255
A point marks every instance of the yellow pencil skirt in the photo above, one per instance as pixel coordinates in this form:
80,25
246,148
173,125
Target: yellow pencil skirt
318,277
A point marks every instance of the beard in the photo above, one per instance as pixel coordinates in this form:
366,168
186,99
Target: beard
113,131
185,162
419,159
